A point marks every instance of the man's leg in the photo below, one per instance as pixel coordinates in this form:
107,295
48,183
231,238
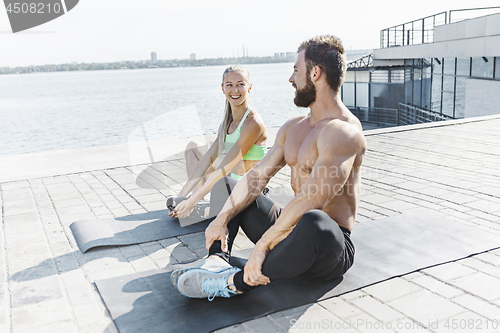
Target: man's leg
211,279
316,247
254,220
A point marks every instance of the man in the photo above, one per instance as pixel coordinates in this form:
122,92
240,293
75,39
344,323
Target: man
311,235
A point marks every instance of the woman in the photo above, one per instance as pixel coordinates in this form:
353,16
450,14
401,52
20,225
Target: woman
242,137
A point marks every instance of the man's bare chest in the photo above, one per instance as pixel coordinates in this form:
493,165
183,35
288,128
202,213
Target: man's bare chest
300,148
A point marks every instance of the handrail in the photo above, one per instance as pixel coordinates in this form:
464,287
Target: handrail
412,114
406,114
382,117
470,9
420,19
415,32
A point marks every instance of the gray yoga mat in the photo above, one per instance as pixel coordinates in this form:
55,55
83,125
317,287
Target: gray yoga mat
147,227
385,248
133,229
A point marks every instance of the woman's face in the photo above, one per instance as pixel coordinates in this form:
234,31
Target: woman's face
236,88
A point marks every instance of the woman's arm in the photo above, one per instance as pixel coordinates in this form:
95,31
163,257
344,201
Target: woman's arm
200,169
251,131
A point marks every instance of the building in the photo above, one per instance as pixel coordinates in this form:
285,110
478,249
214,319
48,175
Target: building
429,69
192,56
153,58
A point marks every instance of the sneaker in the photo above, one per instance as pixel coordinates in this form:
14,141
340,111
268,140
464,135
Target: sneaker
201,283
209,264
199,212
174,201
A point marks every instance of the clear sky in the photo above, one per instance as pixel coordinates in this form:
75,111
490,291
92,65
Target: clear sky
115,30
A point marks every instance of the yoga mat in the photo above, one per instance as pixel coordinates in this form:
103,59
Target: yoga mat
385,248
133,229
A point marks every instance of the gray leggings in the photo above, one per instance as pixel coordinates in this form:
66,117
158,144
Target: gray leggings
317,246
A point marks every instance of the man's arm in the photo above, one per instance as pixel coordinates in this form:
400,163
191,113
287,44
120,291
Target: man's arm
248,189
337,151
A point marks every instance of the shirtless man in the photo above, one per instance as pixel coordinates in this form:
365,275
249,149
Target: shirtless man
311,235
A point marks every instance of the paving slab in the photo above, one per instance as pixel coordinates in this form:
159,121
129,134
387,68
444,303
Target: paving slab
46,283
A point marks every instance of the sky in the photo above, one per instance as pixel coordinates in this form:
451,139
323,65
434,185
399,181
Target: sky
119,30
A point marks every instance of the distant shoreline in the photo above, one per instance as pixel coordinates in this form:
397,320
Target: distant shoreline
125,65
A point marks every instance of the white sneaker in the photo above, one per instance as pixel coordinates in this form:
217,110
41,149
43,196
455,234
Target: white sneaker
201,283
210,264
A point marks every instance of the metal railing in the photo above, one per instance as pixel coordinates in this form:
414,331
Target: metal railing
486,11
406,115
415,32
421,31
411,114
378,116
363,62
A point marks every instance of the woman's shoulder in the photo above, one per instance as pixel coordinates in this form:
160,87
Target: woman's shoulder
254,118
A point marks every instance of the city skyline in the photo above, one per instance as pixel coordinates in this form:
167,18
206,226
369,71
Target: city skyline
114,30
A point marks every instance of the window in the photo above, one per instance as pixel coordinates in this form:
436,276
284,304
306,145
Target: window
497,68
482,67
448,103
436,92
463,66
460,97
348,94
449,66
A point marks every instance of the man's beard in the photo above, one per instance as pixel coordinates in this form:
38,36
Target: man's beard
305,96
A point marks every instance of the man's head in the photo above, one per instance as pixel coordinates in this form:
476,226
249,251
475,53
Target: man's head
327,53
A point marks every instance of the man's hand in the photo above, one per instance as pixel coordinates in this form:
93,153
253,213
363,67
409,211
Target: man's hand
253,269
215,231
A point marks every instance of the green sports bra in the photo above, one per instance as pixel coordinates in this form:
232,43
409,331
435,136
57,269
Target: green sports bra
255,153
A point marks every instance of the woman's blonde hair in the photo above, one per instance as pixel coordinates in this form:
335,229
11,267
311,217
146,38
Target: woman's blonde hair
228,115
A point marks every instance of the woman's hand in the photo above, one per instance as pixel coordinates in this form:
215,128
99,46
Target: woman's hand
184,208
253,269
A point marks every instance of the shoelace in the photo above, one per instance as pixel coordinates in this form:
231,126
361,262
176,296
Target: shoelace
217,287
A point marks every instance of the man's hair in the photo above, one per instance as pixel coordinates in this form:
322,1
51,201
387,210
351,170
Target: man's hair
328,53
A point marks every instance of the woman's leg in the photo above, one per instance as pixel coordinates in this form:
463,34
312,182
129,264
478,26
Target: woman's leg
193,154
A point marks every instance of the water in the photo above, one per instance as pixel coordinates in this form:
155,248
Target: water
67,110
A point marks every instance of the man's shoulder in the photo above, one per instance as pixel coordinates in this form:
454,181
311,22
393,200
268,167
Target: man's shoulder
344,133
289,124
293,121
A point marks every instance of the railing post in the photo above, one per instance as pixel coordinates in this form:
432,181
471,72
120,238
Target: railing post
397,114
412,32
423,31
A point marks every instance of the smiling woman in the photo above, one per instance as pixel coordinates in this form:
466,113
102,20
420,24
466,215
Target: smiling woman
241,137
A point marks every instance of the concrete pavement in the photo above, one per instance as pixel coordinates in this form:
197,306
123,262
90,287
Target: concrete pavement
46,283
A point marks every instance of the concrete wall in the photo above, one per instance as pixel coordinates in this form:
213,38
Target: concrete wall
482,97
470,38
479,27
